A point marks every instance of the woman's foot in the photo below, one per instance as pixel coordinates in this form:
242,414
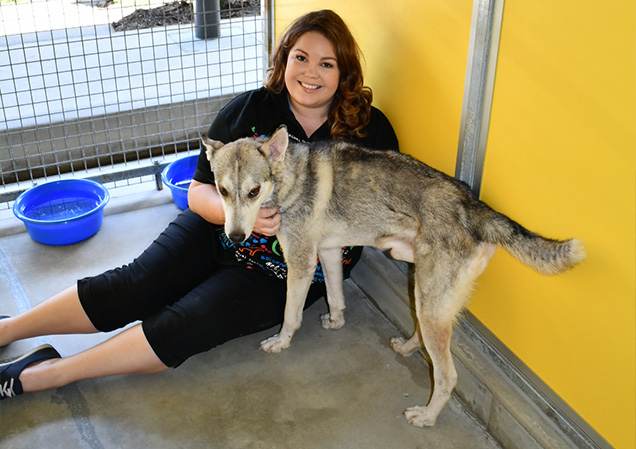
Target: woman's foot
10,370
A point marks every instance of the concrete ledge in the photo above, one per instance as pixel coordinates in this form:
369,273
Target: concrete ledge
513,411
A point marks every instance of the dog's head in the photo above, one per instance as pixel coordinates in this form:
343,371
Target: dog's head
243,172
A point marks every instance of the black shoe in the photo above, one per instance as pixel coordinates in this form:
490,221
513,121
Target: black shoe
10,370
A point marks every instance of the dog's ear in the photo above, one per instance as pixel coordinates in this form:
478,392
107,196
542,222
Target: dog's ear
210,145
274,149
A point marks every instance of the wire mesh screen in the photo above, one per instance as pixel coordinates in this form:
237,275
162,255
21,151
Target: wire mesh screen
113,86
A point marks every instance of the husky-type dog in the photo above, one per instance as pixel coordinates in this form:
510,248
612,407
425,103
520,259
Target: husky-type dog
336,194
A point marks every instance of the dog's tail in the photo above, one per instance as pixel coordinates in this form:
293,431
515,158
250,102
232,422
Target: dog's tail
547,256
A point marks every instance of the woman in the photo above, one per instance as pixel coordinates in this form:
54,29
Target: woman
193,289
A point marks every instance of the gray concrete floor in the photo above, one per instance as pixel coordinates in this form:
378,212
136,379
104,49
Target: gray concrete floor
343,389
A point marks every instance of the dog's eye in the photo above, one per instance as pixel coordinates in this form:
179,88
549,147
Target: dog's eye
223,191
254,192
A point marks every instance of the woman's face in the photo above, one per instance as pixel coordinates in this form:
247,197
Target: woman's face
312,75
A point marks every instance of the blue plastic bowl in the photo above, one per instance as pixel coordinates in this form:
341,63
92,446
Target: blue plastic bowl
62,212
177,176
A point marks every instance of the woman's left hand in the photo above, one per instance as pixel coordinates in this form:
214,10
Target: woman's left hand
267,221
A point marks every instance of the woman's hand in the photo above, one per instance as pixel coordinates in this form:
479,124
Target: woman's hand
267,221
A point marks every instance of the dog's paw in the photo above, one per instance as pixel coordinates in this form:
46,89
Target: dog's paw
274,344
420,416
330,323
399,345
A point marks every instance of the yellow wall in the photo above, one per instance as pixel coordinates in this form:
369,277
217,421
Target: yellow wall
560,159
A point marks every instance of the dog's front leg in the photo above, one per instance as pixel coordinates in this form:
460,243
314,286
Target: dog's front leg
298,283
331,261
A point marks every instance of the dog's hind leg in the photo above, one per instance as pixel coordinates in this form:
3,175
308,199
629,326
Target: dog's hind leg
435,314
442,286
331,261
407,347
436,336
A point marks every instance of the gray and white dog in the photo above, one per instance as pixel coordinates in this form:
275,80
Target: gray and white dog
336,194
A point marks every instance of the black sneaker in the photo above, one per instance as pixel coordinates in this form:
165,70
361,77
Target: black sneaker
11,369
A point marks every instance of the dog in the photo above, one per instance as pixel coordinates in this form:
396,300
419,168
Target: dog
335,194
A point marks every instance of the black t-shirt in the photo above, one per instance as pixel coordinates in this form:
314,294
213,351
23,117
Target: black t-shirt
259,113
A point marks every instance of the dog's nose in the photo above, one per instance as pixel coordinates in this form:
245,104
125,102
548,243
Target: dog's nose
237,237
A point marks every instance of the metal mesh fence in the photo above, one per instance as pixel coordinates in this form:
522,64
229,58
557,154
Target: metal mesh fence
78,98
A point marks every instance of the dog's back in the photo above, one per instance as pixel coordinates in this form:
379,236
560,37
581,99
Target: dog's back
365,195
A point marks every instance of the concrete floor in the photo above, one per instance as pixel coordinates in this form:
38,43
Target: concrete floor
344,389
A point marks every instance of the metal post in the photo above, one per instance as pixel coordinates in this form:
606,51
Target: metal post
207,19
478,91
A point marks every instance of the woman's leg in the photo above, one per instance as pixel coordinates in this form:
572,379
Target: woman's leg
233,302
60,314
125,353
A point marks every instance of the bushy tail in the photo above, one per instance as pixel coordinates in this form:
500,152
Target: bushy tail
545,255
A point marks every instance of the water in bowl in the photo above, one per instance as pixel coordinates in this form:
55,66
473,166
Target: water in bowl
60,209
183,184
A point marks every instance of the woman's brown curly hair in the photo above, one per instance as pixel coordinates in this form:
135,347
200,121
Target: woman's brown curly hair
350,109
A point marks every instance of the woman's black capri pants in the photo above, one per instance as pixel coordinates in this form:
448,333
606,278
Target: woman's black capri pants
187,300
